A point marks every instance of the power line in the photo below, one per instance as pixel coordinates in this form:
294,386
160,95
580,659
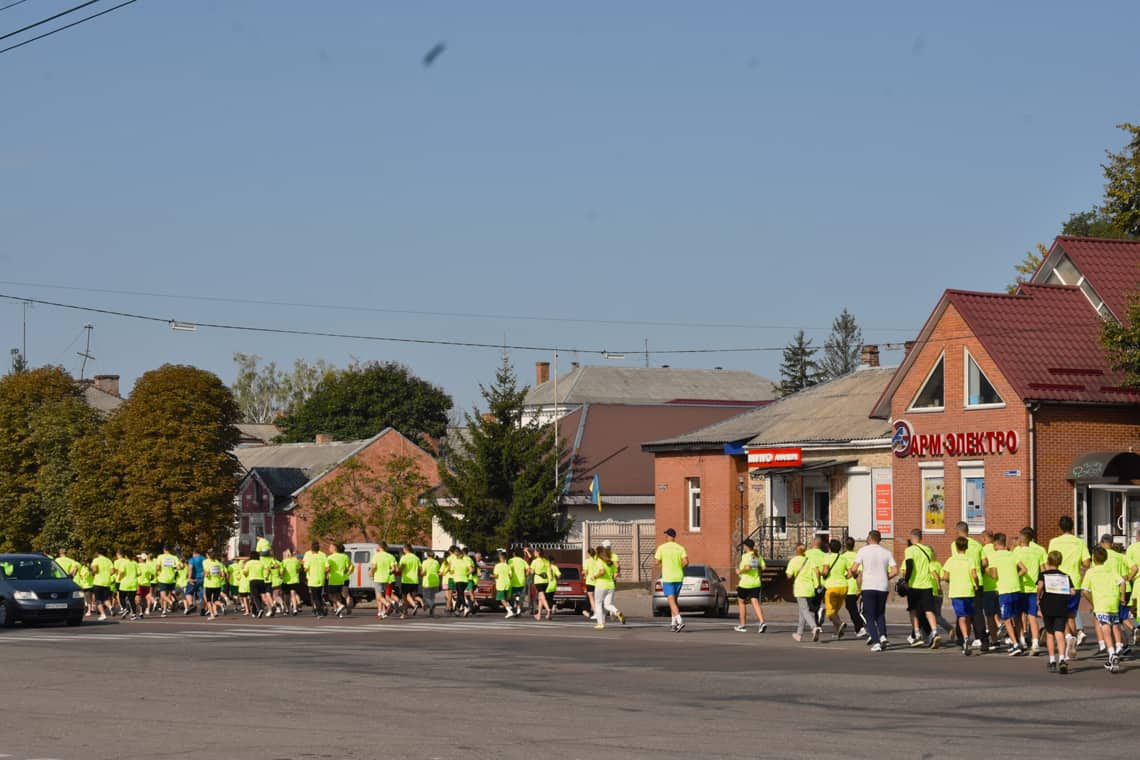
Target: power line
12,5
66,26
41,22
447,314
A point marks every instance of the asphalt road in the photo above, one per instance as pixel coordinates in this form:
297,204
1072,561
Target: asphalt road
448,688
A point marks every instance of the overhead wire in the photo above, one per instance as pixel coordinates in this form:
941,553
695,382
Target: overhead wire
41,22
65,26
12,5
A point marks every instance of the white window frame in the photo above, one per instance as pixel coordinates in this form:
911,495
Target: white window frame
966,471
967,357
930,471
692,492
777,511
921,386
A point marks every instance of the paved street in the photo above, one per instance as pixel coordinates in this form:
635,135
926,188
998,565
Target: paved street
363,688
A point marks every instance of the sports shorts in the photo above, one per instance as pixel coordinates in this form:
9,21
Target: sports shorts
213,594
747,594
963,606
1009,605
1108,618
1055,623
165,588
102,593
1029,603
1075,602
411,588
292,587
989,603
670,588
256,587
834,600
502,596
920,600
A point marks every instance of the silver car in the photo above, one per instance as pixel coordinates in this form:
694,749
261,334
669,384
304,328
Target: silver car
702,591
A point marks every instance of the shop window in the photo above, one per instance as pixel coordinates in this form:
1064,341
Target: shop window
778,488
979,390
694,493
933,501
974,498
932,395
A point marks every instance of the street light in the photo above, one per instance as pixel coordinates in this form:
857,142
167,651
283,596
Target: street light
740,490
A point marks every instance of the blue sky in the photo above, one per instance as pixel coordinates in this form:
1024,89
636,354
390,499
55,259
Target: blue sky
758,165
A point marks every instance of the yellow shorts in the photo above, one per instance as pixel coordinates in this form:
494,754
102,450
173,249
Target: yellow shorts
834,601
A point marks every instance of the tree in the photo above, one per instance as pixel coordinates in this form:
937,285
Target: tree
56,430
18,363
841,350
362,400
1027,267
264,393
383,506
799,369
500,474
1122,342
37,410
161,473
1122,184
1091,223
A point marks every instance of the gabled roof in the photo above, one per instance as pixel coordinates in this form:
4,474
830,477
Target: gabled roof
1112,267
313,459
100,400
833,412
1045,339
651,385
254,434
281,481
605,440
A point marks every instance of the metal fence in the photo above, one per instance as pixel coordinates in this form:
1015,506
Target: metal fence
777,539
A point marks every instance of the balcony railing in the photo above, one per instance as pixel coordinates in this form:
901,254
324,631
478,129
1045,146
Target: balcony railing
777,539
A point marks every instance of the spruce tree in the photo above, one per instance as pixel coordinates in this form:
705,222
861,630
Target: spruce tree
500,474
799,369
841,351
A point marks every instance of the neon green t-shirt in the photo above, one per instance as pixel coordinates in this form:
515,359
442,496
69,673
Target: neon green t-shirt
838,565
254,569
234,573
146,572
852,583
502,573
409,569
83,577
291,571
243,583
67,563
540,566
1116,562
1033,557
957,570
605,575
128,572
1008,578
672,557
101,569
989,583
273,571
1104,585
518,572
382,567
936,575
920,555
340,568
316,568
214,574
429,570
167,567
749,570
552,582
806,575
1074,553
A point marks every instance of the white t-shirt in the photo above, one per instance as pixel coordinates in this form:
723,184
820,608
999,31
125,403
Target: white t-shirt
875,562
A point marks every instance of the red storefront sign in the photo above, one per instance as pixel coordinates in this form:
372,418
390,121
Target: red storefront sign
758,458
906,443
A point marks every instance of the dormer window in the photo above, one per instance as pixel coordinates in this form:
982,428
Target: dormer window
980,392
932,397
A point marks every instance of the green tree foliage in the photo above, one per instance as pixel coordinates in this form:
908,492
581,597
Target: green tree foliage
265,392
1091,223
501,474
1122,342
841,350
161,472
360,401
383,506
1122,184
41,414
56,431
1027,267
799,368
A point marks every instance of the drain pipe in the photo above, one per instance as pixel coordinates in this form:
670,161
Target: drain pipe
1031,408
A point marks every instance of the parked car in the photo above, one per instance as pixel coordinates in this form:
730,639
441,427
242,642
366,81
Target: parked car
570,594
360,583
702,591
34,589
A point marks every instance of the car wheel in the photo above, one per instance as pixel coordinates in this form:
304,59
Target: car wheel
75,620
724,607
7,618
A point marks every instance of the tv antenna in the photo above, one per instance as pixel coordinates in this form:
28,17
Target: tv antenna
86,352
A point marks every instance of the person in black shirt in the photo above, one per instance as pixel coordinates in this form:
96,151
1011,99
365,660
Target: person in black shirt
1054,590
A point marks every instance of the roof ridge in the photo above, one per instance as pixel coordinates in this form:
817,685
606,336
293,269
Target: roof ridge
1127,241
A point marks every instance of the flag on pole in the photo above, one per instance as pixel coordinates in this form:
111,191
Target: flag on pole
596,493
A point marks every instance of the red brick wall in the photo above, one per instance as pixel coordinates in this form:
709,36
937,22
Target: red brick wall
720,504
1065,433
1007,498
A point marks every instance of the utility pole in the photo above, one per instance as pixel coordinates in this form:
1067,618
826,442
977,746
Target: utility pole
24,350
647,353
86,353
556,447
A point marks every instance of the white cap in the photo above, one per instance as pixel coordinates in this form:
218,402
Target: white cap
607,543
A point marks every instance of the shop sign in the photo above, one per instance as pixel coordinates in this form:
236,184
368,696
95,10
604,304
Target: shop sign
884,502
905,442
775,458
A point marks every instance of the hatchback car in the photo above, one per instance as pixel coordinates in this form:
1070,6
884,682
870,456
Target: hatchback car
34,589
702,591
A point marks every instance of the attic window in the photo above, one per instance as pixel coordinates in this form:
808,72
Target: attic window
1067,271
932,396
979,390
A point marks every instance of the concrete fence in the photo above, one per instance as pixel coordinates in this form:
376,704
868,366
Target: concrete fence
633,541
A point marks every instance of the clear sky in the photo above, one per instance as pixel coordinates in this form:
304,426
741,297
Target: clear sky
757,166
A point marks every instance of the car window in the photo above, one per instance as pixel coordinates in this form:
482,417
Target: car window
362,557
570,573
35,569
695,571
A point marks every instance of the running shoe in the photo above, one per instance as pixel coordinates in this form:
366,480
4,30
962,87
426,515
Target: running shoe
916,642
1063,667
102,618
740,628
1125,650
621,618
815,633
966,650
1081,636
861,633
763,627
600,627
1035,649
935,641
680,626
586,614
1070,647
1014,651
910,639
672,626
797,637
1052,667
876,647
842,630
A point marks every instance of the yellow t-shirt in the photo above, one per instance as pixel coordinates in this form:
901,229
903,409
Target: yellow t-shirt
672,557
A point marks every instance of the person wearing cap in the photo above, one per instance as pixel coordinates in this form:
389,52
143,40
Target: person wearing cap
672,558
748,587
607,544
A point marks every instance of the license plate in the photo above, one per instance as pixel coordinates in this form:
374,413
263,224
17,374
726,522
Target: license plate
55,606
563,588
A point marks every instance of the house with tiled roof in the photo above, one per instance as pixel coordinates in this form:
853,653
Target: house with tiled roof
1006,413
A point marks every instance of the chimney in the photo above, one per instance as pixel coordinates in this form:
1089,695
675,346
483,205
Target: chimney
108,384
541,372
322,439
907,347
869,356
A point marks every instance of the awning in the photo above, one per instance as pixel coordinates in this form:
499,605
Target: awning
808,466
1106,467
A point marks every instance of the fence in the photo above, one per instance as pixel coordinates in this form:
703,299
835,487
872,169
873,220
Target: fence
634,542
777,540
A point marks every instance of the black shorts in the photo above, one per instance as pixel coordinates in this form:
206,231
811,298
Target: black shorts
747,594
1055,624
990,606
410,588
589,588
256,588
213,594
292,587
165,588
920,600
102,593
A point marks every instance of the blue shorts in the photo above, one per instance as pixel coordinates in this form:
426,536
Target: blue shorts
1009,605
963,606
1108,618
1075,601
671,589
1029,603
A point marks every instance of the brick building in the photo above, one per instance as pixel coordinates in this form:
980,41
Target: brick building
1005,412
809,464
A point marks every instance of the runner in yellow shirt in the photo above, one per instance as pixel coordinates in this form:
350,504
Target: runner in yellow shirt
1075,559
748,587
673,559
1104,588
540,570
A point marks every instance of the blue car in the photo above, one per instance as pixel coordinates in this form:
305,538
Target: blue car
34,589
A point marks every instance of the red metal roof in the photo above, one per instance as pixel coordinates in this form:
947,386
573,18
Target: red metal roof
1046,340
1112,266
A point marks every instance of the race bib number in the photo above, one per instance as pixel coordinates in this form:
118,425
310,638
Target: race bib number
1056,584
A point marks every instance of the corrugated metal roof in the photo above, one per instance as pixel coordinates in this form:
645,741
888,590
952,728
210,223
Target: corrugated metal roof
651,385
1111,266
100,400
835,411
312,458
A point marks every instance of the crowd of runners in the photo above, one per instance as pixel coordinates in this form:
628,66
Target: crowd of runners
1006,592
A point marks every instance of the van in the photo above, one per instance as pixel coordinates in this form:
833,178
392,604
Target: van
360,584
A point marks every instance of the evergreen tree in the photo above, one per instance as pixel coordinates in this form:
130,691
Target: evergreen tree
501,474
841,351
799,369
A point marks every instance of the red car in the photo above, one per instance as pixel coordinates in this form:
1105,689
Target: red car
570,595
